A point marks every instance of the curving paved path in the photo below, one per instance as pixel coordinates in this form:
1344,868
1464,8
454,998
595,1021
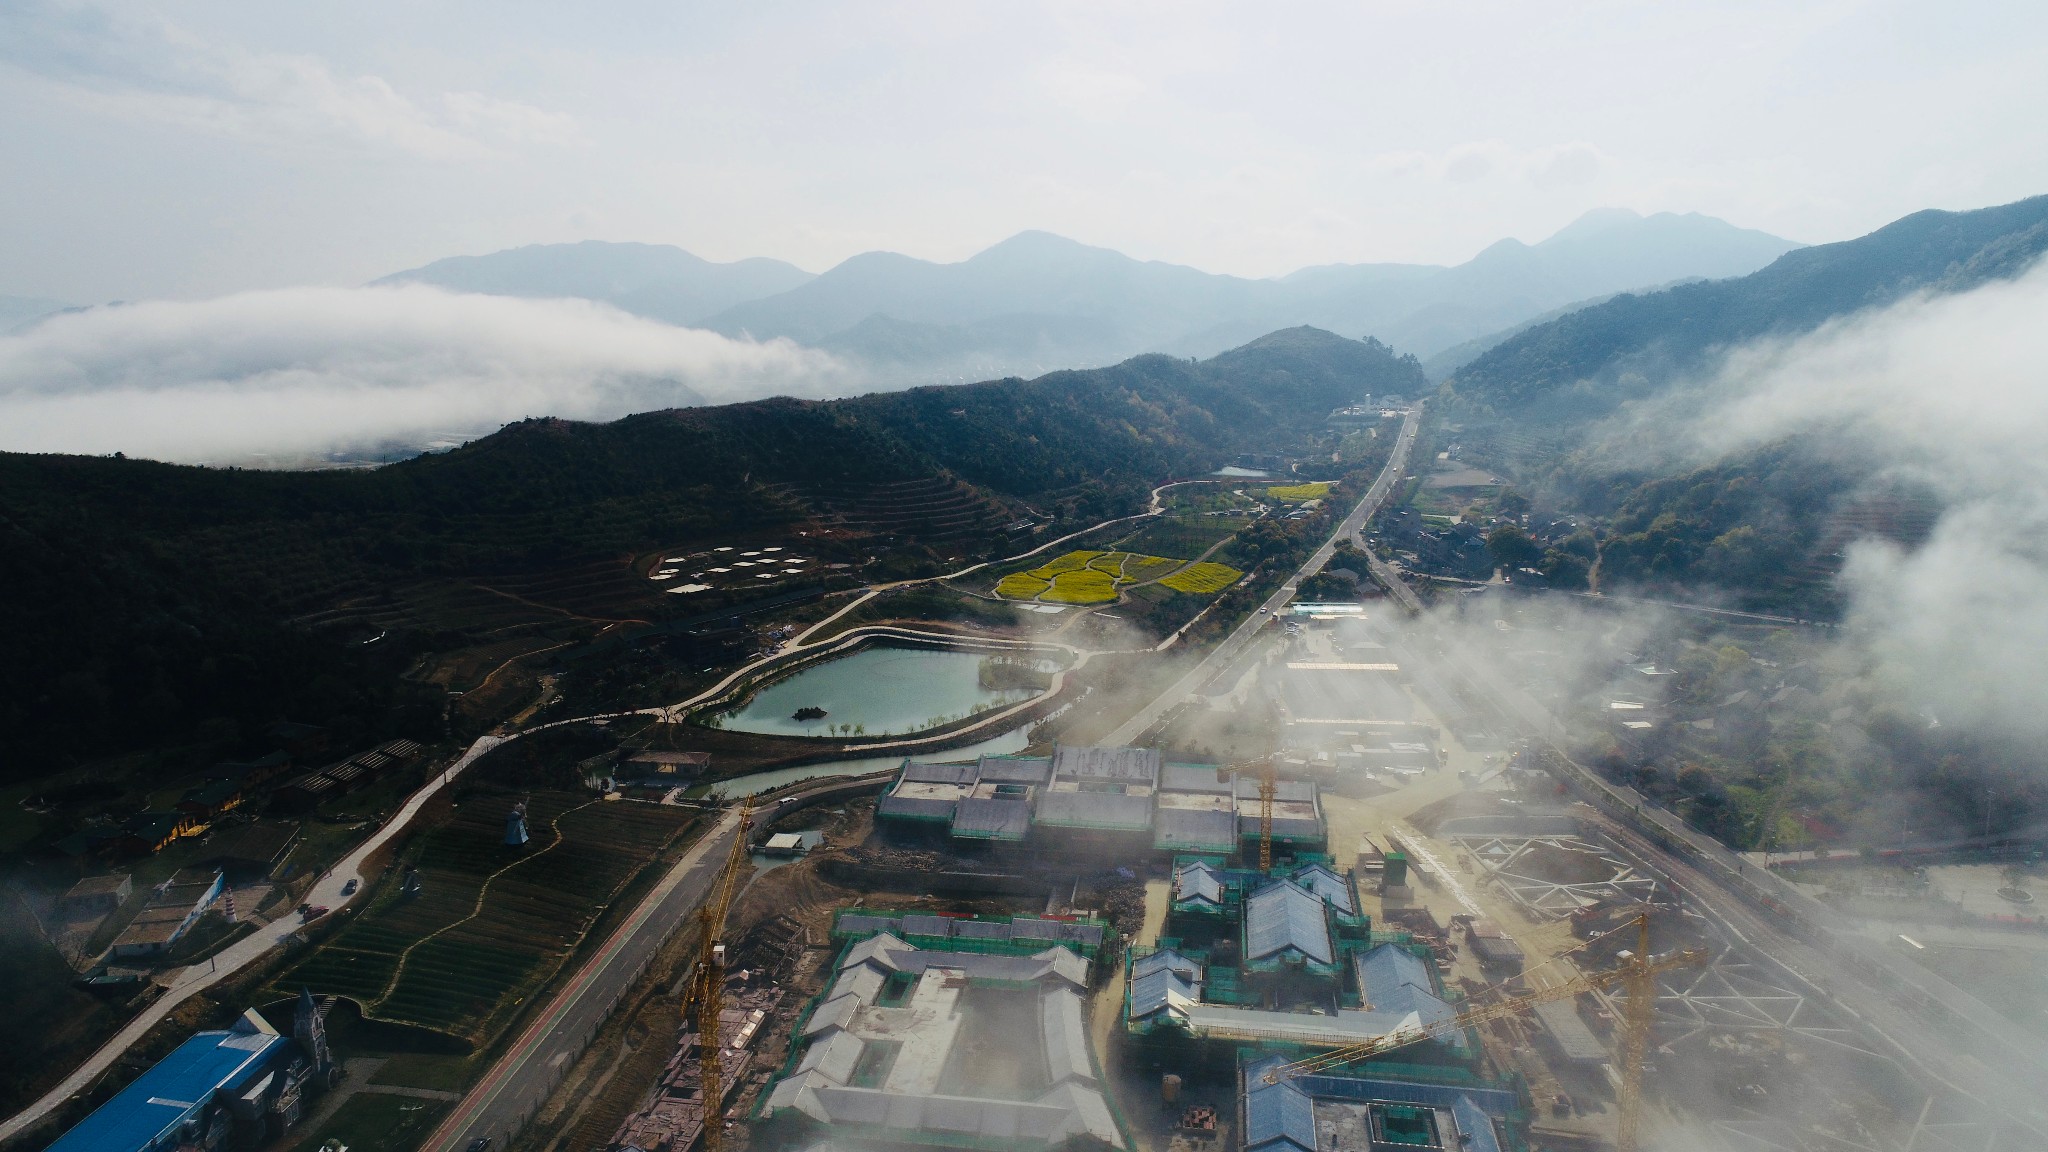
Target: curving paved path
232,959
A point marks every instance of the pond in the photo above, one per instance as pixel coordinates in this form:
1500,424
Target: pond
873,692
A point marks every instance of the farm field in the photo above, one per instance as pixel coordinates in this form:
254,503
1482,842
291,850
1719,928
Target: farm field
1084,577
490,921
1202,579
1295,493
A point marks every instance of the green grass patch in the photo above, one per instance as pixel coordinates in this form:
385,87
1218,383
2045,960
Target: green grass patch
1203,579
1295,493
376,1122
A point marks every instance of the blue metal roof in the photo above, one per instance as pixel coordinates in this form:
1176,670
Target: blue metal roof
1198,881
1286,916
1393,979
1475,1125
1320,880
182,1084
1149,989
1276,1115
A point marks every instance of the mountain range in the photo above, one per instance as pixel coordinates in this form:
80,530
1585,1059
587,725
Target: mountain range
1039,302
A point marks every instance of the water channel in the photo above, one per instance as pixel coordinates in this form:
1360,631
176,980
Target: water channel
876,691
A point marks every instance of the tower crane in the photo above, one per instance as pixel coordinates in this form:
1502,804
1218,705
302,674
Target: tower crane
1269,786
707,988
1638,974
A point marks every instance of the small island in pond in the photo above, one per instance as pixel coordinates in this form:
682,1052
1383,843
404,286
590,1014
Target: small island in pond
809,712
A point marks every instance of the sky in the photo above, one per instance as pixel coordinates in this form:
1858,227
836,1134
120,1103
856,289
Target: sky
193,149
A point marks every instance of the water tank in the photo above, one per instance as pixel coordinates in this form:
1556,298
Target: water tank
1169,1088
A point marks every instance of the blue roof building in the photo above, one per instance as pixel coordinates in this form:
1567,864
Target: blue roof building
202,1084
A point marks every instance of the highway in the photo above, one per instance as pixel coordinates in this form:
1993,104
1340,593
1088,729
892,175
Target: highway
1220,656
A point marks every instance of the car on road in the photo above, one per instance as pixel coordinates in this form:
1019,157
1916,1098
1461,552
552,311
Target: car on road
480,1144
349,889
311,912
1263,610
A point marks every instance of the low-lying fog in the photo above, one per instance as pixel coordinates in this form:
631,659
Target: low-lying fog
298,376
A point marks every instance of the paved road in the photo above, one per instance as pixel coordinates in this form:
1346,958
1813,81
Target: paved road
528,1071
197,978
1221,656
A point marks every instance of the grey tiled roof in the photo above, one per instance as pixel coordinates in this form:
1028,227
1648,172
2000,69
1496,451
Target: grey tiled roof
915,807
924,924
1276,1116
1393,980
1198,881
1015,769
1149,990
1107,810
992,819
1065,1037
1328,885
1177,829
1130,765
1285,916
1166,960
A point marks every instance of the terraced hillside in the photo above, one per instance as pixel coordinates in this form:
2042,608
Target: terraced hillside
489,920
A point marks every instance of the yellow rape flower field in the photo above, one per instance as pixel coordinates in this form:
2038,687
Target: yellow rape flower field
1094,577
1203,579
1299,492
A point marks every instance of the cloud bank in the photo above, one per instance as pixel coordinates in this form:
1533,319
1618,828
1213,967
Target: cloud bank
298,375
1952,390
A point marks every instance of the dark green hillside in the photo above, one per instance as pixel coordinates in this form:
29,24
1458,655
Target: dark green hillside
1583,363
147,605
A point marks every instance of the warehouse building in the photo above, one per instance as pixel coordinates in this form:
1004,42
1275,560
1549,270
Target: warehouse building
236,1088
984,1049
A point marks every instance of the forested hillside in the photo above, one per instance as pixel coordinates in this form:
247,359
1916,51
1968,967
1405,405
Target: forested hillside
1584,363
144,602
1765,527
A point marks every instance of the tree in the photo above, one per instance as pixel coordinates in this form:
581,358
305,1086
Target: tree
1512,548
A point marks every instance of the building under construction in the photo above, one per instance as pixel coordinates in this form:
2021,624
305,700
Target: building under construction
979,1044
1390,1110
1264,961
673,1117
1116,802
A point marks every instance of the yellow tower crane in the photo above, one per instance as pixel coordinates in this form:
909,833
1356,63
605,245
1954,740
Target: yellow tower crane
1269,786
1638,974
707,989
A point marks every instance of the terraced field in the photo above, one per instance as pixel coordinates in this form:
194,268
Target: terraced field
490,921
1088,577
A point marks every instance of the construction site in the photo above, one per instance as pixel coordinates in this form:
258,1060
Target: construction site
1394,931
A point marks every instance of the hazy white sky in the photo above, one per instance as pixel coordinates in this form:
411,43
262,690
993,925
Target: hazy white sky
192,148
